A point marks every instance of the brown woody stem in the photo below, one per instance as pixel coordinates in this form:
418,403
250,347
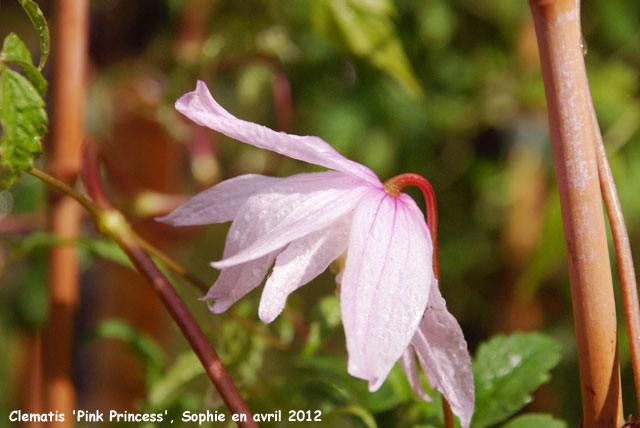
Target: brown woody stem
557,25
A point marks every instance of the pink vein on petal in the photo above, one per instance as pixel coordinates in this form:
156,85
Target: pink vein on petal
325,201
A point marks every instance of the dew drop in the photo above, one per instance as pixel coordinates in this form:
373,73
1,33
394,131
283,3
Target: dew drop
583,45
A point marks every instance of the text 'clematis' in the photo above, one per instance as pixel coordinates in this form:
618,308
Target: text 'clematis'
390,303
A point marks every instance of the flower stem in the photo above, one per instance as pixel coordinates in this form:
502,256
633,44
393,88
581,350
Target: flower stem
557,25
86,203
395,184
113,225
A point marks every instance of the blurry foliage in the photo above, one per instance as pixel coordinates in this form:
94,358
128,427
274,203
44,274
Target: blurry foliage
450,89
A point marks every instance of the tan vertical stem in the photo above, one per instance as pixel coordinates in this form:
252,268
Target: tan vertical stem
557,24
69,72
32,379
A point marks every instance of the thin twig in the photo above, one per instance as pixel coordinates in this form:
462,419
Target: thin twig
86,203
623,251
173,266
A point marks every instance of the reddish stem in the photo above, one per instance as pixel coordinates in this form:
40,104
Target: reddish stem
90,174
394,185
623,252
282,100
112,224
188,325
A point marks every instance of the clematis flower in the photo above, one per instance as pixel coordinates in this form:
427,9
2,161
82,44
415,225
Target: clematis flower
390,303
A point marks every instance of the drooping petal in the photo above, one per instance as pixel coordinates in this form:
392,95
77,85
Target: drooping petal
299,263
386,282
200,107
408,361
293,208
443,355
235,282
220,203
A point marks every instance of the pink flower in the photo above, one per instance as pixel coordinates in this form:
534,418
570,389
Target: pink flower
306,221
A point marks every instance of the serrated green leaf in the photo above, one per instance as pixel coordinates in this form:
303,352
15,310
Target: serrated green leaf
24,123
40,23
15,51
186,368
507,369
534,420
145,348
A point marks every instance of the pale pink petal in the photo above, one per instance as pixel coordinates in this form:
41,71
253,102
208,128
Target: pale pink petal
200,107
219,203
235,282
444,357
302,260
408,361
300,205
386,282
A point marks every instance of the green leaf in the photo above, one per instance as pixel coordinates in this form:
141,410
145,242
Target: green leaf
506,370
151,355
40,23
24,123
14,51
533,420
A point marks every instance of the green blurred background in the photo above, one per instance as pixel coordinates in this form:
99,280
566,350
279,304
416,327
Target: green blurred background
449,89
